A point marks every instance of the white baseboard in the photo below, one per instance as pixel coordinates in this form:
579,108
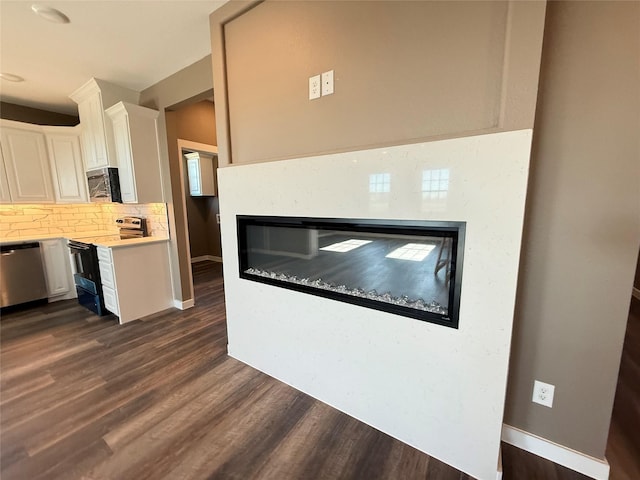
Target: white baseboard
590,466
206,258
68,296
179,304
636,292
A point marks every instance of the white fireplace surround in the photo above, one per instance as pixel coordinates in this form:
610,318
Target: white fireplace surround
438,389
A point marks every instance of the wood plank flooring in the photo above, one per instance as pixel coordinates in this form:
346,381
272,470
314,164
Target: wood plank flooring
82,397
623,447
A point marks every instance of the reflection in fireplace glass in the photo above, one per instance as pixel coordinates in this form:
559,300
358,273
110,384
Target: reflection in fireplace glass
409,268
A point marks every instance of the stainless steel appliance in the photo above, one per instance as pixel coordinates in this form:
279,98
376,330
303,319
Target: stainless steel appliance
104,185
85,260
87,276
21,274
132,227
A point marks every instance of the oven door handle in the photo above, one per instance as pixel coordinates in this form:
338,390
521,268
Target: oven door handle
75,246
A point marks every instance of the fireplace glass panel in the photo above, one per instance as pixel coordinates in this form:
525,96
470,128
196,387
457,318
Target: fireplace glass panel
412,269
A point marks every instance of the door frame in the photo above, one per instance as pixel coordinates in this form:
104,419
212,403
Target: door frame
187,146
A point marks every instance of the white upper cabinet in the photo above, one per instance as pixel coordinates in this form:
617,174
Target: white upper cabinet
27,165
193,172
97,134
201,170
69,179
94,139
41,164
5,196
136,147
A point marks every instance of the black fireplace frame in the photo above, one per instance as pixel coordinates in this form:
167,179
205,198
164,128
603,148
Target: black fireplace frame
454,230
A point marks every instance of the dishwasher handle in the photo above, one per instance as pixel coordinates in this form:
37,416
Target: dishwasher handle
11,248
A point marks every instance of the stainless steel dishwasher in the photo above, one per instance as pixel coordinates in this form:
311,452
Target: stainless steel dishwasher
21,274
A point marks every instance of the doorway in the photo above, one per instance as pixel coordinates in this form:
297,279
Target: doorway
191,128
202,208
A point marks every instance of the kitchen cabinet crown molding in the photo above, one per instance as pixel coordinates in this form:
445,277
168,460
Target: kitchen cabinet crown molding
130,108
85,91
110,93
33,127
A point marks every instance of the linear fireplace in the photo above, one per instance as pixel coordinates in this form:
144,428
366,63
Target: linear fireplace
409,268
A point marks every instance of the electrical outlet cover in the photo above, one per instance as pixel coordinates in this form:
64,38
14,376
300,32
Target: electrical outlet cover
314,87
327,83
543,393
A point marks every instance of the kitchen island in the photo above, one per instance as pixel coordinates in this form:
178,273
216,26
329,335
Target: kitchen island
135,275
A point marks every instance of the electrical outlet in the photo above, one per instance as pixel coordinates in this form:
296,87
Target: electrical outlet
327,83
314,87
543,393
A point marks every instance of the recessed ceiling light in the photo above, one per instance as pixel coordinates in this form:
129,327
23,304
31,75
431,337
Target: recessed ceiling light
50,14
11,77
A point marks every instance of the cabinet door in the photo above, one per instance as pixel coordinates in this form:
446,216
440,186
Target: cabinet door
5,197
56,263
27,165
93,132
193,170
69,180
110,297
125,159
88,145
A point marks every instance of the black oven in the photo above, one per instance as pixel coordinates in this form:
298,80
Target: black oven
87,276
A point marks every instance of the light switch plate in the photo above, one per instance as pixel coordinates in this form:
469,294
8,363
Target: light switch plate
314,87
327,83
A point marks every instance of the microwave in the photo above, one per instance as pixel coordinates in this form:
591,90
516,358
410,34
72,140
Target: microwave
104,185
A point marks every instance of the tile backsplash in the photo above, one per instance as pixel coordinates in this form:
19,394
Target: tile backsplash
31,221
155,213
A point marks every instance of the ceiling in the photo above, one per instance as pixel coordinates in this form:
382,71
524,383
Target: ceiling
133,44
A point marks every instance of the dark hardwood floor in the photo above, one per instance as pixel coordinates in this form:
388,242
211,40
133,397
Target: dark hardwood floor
82,397
623,447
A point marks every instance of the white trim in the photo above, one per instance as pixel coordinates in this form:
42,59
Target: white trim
590,466
67,296
636,292
183,305
206,258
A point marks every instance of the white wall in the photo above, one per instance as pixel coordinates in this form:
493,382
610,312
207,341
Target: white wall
439,389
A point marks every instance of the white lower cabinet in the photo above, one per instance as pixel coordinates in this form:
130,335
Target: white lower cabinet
136,279
110,300
57,266
107,278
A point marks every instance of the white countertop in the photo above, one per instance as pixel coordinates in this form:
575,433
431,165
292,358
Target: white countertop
131,242
79,236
